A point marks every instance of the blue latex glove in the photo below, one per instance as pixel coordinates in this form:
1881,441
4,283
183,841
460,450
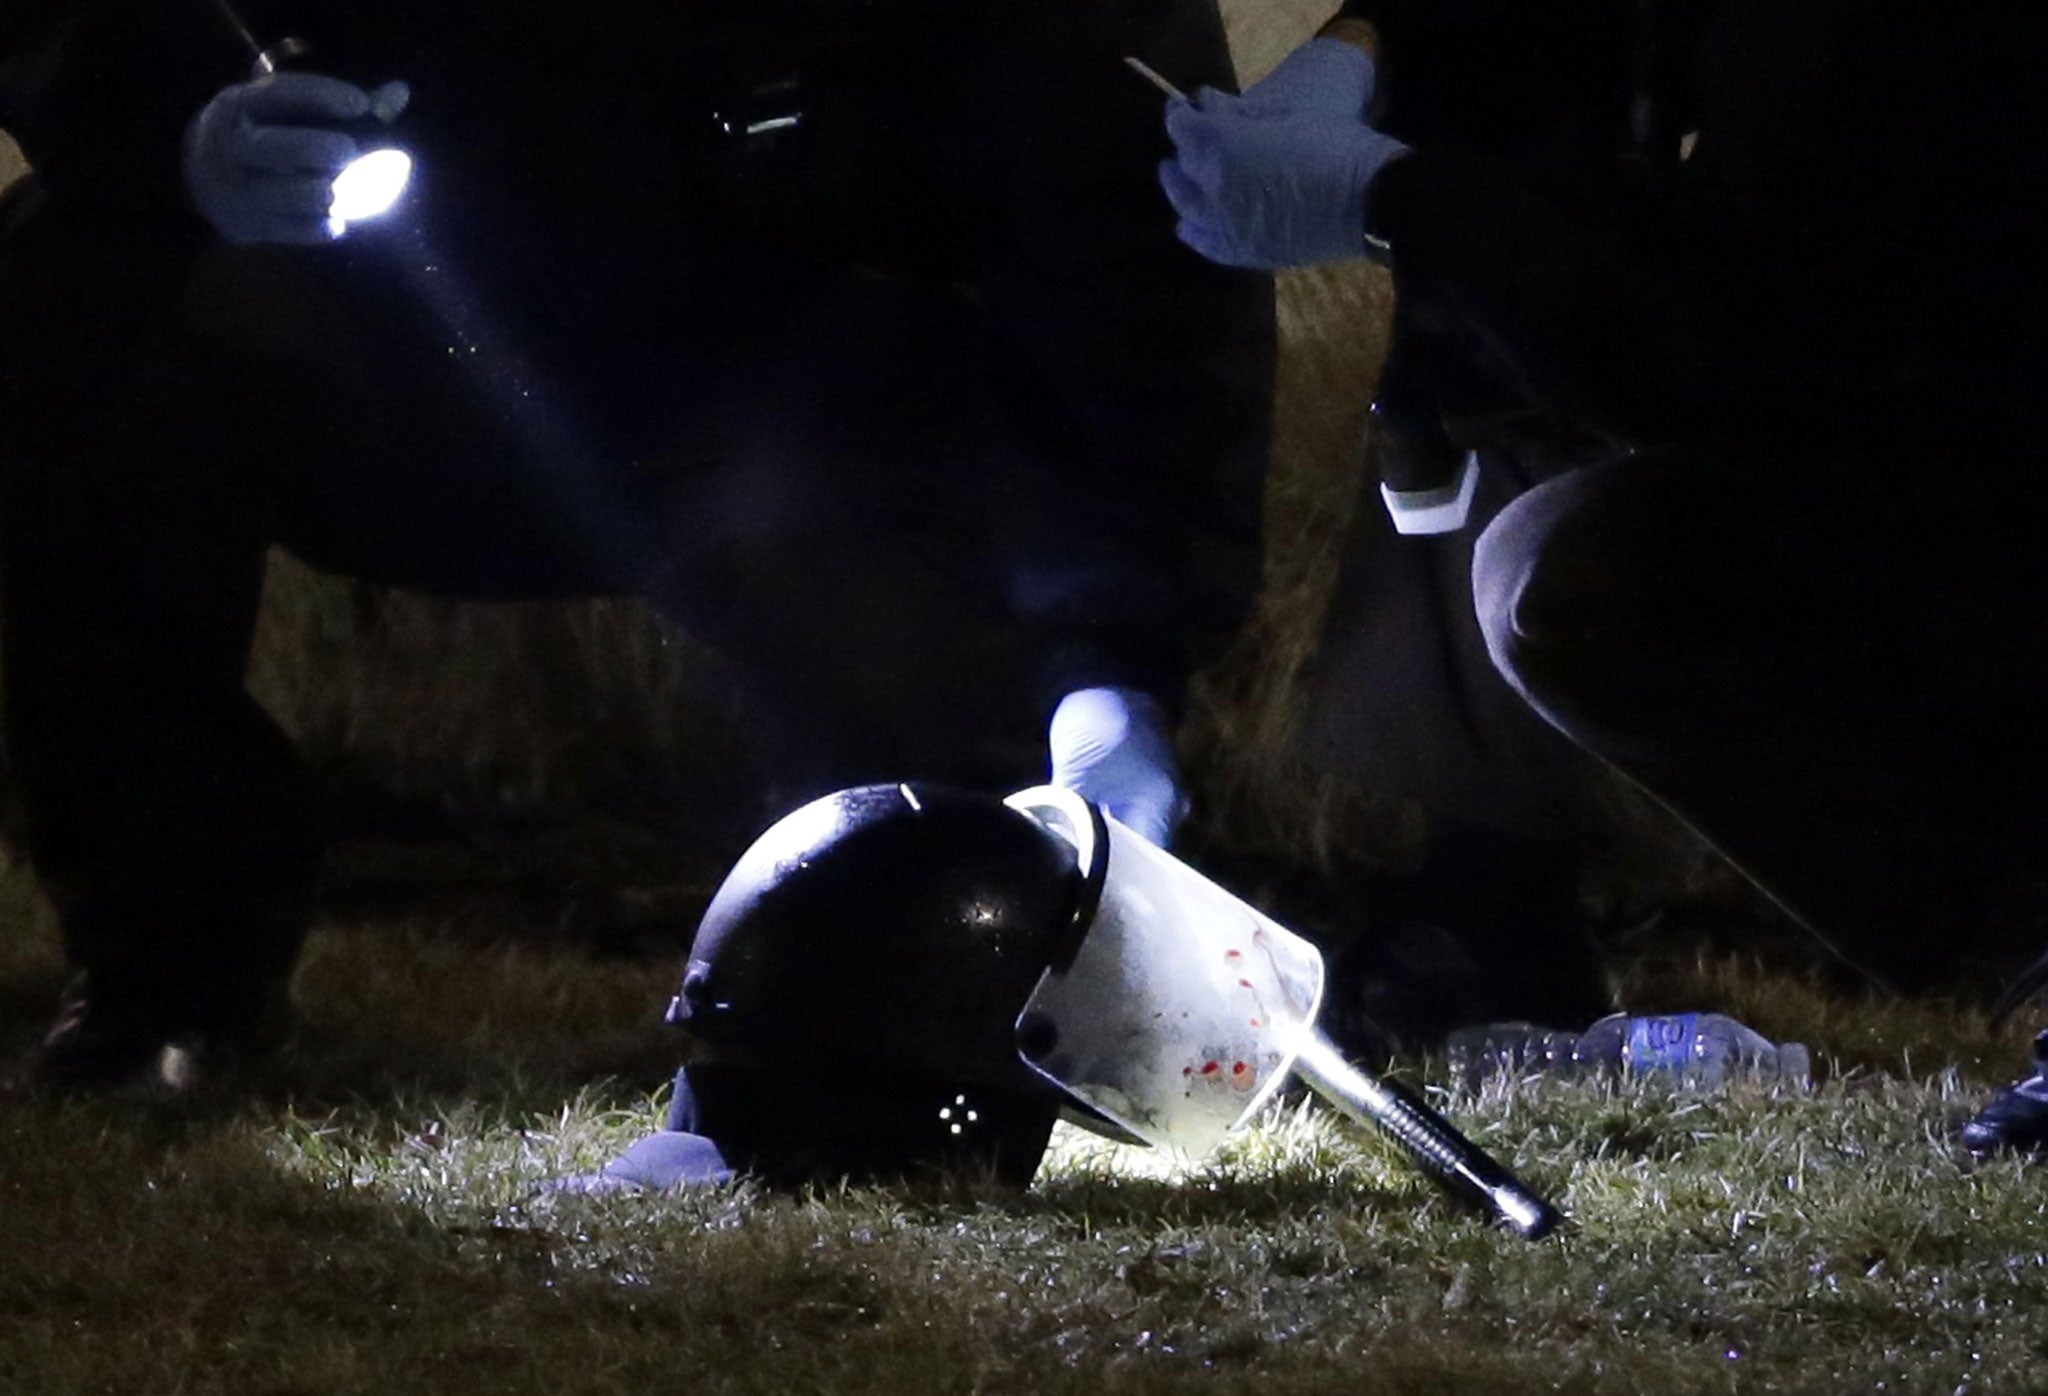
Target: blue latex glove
1277,178
1113,746
261,157
1325,75
660,1162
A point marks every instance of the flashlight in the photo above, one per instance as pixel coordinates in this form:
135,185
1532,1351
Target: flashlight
368,186
371,185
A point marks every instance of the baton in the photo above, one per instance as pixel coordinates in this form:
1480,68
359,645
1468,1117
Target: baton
1464,1169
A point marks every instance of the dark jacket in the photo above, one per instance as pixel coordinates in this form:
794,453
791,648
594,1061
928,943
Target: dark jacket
1849,252
576,166
1838,293
98,93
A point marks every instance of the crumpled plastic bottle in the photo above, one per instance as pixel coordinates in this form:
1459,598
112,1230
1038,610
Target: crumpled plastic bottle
1697,1051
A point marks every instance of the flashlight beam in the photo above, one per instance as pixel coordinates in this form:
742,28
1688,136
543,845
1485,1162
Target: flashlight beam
1464,1169
1151,75
621,543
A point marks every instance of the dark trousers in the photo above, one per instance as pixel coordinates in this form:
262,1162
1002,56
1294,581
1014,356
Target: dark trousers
1834,670
1484,920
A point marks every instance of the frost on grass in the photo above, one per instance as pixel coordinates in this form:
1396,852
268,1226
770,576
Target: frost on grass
374,1219
1828,1238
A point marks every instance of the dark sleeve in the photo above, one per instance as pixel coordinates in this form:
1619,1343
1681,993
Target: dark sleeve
98,93
1504,77
1598,306
1844,244
1144,373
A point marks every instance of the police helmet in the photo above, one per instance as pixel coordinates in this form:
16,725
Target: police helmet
853,989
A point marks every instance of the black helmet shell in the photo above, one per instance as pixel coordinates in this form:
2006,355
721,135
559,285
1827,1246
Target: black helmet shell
887,927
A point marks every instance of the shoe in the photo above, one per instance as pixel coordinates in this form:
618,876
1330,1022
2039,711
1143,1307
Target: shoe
1489,931
2016,1120
88,1048
165,1042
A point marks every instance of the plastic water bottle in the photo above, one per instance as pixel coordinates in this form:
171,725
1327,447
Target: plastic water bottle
1699,1051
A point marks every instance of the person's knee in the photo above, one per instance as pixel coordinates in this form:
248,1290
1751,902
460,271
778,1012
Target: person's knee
1529,608
1610,584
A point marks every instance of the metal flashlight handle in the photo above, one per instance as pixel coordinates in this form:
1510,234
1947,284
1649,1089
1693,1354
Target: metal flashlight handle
264,58
1465,1170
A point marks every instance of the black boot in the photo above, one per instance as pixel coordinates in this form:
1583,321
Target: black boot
117,1032
1490,929
2016,1120
91,1046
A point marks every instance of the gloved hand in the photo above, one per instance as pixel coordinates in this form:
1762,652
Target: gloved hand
1323,75
261,157
1278,177
661,1162
1113,746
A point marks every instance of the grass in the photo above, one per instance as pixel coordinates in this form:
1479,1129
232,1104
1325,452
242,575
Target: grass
369,1218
